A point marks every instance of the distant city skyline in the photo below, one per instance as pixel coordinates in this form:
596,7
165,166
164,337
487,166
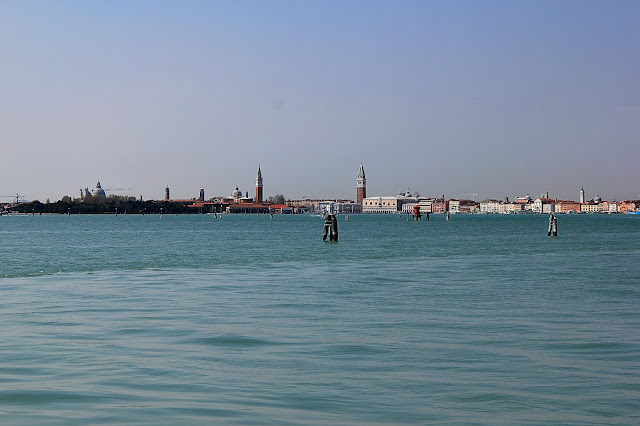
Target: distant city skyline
360,187
495,98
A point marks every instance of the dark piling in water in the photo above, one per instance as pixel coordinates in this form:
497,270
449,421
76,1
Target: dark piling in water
553,225
330,228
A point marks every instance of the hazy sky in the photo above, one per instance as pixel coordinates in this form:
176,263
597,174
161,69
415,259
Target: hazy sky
500,98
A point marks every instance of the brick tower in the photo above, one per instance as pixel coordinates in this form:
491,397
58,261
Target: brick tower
361,193
259,186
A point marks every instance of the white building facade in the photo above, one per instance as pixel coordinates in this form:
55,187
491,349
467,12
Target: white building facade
380,205
490,206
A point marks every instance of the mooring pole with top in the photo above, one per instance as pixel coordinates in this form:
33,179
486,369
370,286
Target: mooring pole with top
330,228
553,225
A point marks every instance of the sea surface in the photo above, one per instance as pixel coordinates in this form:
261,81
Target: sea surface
252,320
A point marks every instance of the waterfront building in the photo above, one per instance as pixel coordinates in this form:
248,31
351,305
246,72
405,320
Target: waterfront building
305,209
549,207
361,187
399,203
510,208
629,206
467,206
259,186
336,207
314,205
454,206
425,203
567,207
608,207
210,206
264,208
490,206
537,205
408,205
588,207
380,205
464,206
439,205
248,207
407,199
543,205
281,208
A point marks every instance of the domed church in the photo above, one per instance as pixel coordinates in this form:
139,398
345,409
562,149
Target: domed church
98,191
236,194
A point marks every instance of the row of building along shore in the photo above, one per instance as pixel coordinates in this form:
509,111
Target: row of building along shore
406,202
403,203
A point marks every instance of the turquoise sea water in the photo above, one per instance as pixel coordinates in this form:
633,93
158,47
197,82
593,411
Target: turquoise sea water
244,319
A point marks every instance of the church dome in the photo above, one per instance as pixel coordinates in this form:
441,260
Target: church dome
597,199
98,191
237,193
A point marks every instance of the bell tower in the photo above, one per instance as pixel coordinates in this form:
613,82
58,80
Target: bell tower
259,186
361,191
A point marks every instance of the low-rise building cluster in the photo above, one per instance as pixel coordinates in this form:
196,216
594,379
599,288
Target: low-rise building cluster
405,203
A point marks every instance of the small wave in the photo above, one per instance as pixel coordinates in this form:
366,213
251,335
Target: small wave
232,340
589,346
43,396
351,349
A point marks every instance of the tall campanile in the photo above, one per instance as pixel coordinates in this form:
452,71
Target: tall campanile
259,186
361,187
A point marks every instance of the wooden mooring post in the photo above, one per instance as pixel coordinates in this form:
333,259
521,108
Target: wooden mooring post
553,225
330,228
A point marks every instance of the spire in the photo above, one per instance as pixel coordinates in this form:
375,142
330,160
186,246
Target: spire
259,197
259,177
361,186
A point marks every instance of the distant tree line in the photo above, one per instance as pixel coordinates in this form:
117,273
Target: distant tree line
95,205
276,199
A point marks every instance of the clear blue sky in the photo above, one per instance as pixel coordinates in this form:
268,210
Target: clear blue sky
500,98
